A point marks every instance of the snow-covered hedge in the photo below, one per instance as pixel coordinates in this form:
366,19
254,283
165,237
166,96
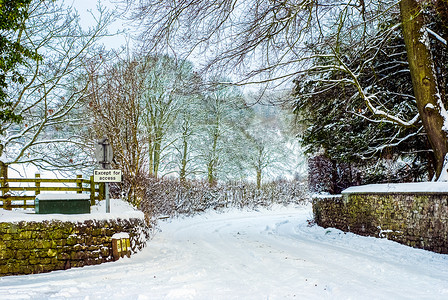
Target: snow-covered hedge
169,197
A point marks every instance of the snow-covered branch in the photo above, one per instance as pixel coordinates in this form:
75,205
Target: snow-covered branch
436,36
392,144
49,101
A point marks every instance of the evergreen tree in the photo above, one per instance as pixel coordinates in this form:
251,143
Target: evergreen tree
13,14
334,119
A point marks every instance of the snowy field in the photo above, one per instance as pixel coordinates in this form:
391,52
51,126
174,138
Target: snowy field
266,254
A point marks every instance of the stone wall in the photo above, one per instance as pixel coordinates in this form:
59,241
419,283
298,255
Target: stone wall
35,247
415,219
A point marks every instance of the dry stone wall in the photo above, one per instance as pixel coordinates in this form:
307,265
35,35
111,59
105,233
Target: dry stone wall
415,219
36,247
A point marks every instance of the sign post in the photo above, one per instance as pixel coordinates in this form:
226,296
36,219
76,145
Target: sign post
105,155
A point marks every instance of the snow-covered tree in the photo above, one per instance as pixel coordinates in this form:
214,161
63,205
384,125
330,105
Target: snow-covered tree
168,87
269,148
13,54
429,95
222,109
116,109
333,121
54,87
280,35
188,133
336,119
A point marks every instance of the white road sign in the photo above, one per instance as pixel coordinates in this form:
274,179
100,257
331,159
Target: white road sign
107,175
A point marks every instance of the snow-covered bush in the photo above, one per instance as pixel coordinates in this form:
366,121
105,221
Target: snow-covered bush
326,175
171,197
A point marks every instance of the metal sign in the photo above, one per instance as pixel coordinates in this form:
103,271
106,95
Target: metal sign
104,153
107,175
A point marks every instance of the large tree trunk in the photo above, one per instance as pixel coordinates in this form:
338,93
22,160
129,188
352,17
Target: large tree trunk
424,81
258,178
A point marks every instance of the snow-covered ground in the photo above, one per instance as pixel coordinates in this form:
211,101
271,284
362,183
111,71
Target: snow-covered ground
266,254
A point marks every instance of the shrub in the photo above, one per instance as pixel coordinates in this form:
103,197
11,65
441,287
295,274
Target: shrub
171,197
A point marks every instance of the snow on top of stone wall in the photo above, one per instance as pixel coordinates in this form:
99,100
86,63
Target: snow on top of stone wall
411,187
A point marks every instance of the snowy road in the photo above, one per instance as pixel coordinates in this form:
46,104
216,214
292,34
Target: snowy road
270,254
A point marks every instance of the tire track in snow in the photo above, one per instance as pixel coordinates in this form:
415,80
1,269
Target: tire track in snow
249,255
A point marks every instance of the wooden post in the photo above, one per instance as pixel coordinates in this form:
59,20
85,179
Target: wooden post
4,177
7,205
92,191
128,247
4,184
121,247
102,191
116,248
79,183
37,184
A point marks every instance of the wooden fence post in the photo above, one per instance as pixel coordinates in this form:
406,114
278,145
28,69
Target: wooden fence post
92,191
4,184
37,184
79,183
102,191
4,177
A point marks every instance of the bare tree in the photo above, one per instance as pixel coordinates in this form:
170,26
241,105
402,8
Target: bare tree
280,35
55,86
223,109
135,102
168,85
268,144
117,106
256,37
189,123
